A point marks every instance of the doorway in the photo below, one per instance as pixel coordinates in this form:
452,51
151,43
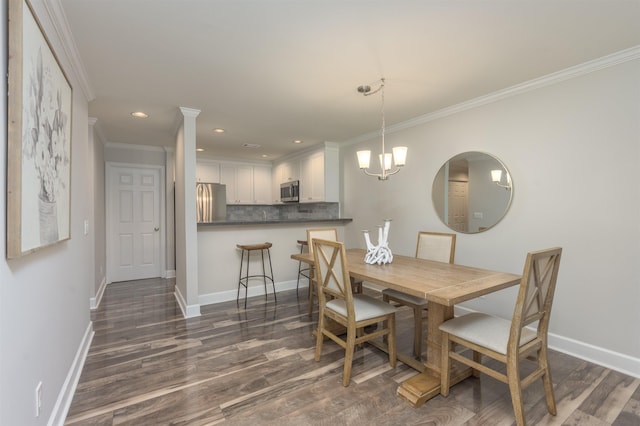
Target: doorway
135,222
458,206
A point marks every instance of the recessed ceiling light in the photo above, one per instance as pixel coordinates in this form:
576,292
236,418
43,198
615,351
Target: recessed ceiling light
140,114
251,145
297,141
218,130
199,149
264,155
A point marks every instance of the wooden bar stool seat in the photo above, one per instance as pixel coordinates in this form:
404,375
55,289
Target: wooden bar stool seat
243,281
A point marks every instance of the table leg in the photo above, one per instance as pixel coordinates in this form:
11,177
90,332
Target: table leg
424,386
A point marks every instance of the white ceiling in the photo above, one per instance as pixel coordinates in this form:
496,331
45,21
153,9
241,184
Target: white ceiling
271,71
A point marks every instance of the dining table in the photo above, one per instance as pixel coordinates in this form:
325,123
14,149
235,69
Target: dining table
443,285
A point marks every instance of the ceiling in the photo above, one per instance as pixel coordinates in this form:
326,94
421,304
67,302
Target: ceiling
272,71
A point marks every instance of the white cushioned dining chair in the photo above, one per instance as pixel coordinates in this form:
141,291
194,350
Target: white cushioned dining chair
353,311
324,234
437,246
510,342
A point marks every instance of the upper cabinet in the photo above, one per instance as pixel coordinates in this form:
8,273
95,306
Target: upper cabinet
262,184
208,171
290,171
284,172
317,171
246,183
254,183
320,175
312,178
239,181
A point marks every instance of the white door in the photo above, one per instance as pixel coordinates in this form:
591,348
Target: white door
458,202
134,219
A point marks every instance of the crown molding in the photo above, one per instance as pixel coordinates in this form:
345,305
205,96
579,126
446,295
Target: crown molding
134,147
61,25
98,131
537,83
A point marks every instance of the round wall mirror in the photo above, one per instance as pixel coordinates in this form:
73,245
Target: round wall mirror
472,192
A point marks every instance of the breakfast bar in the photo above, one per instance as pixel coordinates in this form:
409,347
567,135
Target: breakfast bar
219,259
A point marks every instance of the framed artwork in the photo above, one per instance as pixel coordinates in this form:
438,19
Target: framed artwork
39,138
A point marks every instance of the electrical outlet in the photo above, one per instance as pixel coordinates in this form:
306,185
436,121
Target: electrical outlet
38,398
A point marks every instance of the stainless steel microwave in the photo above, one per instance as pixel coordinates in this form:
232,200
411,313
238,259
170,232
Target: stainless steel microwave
290,191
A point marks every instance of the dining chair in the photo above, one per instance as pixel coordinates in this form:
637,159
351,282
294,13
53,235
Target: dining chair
314,233
353,311
325,234
510,342
436,246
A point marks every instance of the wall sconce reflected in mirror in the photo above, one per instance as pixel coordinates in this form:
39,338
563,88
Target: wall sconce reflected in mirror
496,177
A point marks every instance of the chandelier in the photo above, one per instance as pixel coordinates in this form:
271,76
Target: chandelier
399,152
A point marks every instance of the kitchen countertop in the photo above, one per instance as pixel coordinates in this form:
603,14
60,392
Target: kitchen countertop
341,221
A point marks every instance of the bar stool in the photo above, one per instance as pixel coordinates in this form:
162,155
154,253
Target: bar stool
304,272
243,281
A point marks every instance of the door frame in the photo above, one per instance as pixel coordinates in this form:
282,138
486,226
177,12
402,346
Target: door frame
110,168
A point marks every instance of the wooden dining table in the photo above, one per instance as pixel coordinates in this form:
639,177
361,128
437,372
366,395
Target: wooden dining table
443,285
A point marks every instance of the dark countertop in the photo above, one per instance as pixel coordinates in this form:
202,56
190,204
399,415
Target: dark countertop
341,221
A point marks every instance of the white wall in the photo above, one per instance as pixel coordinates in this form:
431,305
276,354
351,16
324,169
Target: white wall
44,309
573,149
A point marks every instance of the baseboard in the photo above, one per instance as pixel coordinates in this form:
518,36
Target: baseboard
607,358
170,273
188,311
257,290
65,396
94,302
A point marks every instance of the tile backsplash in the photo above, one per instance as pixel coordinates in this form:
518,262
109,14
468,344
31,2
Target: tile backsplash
292,211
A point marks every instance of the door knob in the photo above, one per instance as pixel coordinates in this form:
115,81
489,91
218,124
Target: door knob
156,229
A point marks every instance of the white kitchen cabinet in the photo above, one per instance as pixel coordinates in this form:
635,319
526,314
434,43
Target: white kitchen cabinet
290,171
276,180
246,184
262,185
284,172
319,175
208,172
312,178
239,182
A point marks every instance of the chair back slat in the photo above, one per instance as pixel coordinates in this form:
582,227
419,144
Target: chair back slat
330,234
436,246
535,295
333,275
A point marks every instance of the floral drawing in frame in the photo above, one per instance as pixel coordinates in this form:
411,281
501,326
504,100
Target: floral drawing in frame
39,138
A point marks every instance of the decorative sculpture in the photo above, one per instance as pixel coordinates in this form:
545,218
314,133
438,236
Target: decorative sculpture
381,253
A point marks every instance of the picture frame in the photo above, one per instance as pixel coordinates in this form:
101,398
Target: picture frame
39,108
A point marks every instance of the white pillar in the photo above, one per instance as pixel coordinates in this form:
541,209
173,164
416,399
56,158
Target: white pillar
185,218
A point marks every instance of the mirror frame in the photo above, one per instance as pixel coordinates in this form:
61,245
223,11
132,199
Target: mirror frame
492,199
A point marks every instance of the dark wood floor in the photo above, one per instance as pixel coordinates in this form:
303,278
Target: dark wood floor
149,366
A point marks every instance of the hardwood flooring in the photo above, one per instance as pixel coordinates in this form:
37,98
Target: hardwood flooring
147,365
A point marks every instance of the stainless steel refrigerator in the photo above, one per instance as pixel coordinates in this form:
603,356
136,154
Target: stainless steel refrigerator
211,202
